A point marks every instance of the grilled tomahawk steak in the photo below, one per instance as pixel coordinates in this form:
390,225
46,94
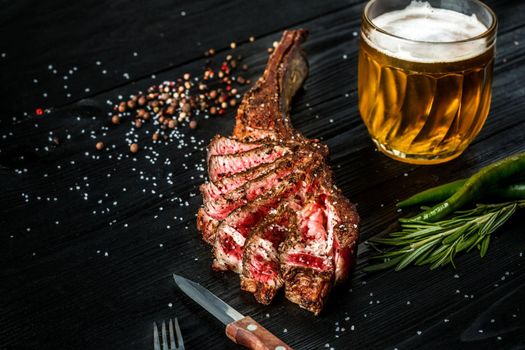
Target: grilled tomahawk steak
271,210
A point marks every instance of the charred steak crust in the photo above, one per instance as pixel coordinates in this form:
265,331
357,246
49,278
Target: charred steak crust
263,112
271,210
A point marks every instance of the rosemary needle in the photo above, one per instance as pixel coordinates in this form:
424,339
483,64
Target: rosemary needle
437,243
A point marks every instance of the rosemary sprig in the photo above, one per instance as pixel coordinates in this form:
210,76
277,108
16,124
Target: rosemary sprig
437,243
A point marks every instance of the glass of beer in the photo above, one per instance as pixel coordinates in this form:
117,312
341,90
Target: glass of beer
425,76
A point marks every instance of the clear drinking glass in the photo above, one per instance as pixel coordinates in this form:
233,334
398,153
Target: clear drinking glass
424,84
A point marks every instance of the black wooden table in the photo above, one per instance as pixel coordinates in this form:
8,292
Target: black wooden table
88,240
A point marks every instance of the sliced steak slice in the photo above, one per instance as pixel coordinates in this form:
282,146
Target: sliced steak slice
222,206
221,145
214,190
261,271
322,251
214,210
232,232
307,263
224,165
343,226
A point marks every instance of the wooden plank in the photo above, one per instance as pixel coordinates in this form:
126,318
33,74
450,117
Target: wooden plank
70,294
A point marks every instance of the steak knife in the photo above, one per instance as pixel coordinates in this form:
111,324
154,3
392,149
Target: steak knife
243,330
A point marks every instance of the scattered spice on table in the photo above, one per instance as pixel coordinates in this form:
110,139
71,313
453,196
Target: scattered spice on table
186,100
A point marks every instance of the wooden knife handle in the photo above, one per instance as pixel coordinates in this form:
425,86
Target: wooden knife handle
248,333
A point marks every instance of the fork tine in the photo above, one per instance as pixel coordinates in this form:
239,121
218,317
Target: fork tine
156,342
179,335
164,338
172,335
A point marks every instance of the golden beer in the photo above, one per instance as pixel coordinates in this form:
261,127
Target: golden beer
425,91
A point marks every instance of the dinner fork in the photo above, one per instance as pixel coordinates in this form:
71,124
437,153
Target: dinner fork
165,346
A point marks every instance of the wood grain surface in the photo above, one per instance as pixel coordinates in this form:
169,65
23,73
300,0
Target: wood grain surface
88,239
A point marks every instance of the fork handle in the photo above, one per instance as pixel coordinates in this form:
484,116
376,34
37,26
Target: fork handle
248,333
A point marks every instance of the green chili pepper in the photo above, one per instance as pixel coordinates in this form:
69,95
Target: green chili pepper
489,177
512,192
442,192
434,194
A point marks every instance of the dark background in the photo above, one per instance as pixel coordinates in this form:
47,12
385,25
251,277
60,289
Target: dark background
93,272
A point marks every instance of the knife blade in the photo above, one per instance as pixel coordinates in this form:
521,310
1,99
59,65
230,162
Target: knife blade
209,301
243,330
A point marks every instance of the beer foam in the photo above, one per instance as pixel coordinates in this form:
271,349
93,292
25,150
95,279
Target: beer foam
429,27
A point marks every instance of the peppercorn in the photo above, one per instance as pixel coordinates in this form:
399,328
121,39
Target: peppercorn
213,110
186,76
155,136
233,45
134,148
138,123
100,146
213,94
131,104
122,107
182,116
172,124
146,116
245,67
241,80
224,105
193,124
186,107
142,100
170,110
161,119
115,119
233,64
233,102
